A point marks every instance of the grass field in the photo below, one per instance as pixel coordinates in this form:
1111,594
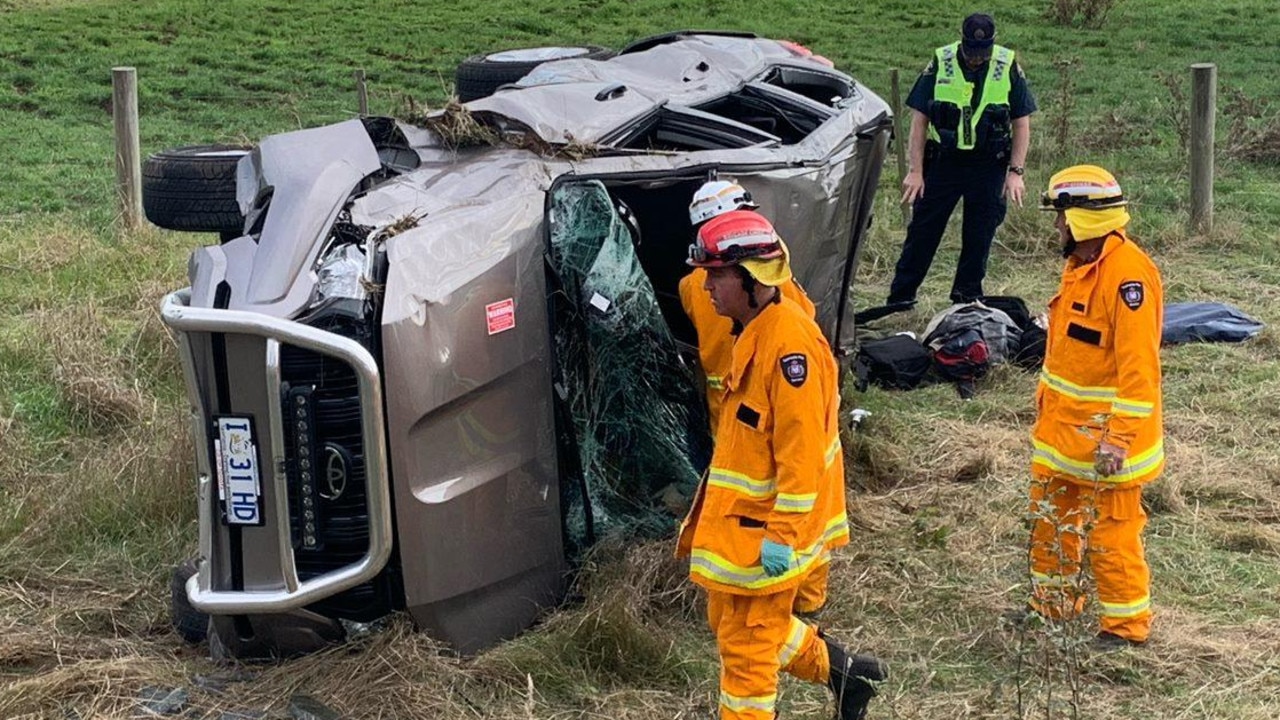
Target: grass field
96,500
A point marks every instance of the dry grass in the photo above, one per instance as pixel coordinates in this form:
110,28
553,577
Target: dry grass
937,555
1086,13
59,245
1253,128
17,451
459,128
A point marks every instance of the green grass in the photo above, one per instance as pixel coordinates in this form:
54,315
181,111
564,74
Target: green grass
95,488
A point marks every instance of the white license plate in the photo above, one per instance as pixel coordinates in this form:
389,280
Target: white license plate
239,489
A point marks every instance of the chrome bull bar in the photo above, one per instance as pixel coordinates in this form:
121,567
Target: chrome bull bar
181,318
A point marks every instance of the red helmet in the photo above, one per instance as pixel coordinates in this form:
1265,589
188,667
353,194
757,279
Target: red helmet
735,236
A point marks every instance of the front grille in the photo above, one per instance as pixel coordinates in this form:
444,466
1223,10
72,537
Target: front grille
330,389
341,519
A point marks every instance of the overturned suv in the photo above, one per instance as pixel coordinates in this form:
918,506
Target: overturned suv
377,394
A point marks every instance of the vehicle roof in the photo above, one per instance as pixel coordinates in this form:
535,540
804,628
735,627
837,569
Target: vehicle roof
562,101
474,206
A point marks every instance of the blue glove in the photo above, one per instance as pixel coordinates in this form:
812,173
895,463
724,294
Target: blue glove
775,558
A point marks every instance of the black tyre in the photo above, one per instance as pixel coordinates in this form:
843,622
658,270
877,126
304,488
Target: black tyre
193,189
188,622
480,75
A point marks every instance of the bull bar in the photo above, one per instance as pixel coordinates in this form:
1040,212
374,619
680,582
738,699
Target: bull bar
181,318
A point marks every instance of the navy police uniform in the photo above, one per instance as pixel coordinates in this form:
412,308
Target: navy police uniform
977,175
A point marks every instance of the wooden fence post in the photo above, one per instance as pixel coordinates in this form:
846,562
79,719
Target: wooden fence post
900,140
362,93
124,113
1204,101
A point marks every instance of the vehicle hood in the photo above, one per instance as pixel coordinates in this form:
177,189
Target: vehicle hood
307,190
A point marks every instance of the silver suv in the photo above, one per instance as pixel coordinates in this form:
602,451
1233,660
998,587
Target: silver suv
370,353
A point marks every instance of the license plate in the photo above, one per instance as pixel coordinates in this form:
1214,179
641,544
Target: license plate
239,489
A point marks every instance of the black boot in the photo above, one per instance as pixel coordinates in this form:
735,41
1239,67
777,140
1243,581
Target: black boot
849,680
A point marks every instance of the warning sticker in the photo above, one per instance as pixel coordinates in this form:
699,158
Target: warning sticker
501,315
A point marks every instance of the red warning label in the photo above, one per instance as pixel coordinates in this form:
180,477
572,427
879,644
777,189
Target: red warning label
500,315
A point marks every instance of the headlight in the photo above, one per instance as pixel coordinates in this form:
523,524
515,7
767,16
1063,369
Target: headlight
340,276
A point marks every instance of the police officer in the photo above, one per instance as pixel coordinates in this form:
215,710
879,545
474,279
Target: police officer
1098,435
973,105
772,502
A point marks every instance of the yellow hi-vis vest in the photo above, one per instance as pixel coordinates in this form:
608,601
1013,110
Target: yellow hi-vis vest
950,86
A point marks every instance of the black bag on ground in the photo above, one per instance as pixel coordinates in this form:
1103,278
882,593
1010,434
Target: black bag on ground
898,362
1030,351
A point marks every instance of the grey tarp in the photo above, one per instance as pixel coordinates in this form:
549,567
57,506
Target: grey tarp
1206,322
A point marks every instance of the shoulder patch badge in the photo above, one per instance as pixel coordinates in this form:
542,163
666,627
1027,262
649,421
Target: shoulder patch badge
795,368
1131,293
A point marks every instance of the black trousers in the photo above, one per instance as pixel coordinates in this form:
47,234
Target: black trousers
946,182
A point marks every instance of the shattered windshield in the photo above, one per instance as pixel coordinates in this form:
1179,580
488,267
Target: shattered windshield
624,393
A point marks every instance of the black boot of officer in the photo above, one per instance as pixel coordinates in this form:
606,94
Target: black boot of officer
849,680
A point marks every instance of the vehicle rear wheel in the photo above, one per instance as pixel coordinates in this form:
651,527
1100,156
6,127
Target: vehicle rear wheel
193,189
190,623
480,75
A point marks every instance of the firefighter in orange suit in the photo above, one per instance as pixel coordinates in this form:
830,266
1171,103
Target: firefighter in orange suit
1098,434
715,342
772,502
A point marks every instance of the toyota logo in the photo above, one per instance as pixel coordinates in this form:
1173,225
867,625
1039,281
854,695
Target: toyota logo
337,463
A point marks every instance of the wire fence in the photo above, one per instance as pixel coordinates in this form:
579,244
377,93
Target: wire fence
262,112
54,172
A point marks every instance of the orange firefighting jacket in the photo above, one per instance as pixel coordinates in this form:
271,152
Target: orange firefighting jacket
1101,375
778,468
715,338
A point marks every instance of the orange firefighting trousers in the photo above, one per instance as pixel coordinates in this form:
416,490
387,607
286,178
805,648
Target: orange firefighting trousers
757,636
811,596
1113,519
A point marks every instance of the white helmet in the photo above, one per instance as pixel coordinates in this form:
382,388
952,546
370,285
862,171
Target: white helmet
716,198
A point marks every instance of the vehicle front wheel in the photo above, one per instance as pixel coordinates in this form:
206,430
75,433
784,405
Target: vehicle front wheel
189,623
480,75
193,189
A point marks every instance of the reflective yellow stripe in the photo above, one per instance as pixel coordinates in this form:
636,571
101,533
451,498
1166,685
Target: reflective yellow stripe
735,703
790,503
737,482
1132,408
1077,392
833,451
1100,394
713,567
715,382
1125,610
837,526
1134,466
795,638
1040,580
